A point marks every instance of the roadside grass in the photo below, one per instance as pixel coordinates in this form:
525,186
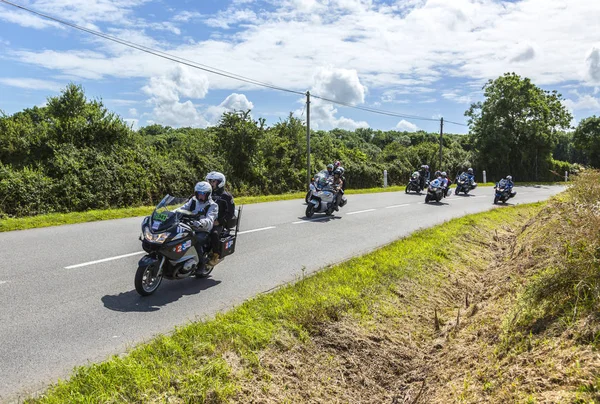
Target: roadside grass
57,219
563,294
194,363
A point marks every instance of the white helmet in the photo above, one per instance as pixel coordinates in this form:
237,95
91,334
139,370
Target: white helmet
215,175
203,189
509,177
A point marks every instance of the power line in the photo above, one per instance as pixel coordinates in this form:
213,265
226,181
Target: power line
455,123
214,70
154,52
376,111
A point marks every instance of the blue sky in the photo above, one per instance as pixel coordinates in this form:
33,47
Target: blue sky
426,58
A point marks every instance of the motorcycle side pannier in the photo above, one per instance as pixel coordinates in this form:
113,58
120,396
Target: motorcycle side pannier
227,245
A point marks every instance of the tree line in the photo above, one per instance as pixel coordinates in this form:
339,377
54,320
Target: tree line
73,154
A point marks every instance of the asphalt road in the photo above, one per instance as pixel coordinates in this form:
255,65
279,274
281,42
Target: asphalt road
67,296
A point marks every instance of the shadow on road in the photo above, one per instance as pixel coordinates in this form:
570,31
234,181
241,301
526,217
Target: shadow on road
433,203
321,219
168,292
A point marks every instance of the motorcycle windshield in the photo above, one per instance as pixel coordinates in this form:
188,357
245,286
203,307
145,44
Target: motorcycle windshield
503,183
321,179
164,217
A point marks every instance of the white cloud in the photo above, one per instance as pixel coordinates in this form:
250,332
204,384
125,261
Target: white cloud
400,46
323,116
339,85
179,81
233,102
133,112
456,97
585,102
120,102
593,65
186,16
31,84
404,125
166,91
83,13
336,84
524,55
26,20
230,17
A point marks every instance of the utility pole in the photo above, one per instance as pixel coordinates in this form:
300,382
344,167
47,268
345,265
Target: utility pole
441,134
308,173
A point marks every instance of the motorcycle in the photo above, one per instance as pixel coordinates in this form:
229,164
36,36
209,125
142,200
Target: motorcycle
414,184
168,239
322,200
503,192
434,191
463,184
312,187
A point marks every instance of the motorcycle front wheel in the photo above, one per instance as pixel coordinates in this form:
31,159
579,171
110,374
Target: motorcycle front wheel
146,282
310,210
307,197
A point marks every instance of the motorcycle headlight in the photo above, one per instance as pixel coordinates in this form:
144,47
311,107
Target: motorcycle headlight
155,238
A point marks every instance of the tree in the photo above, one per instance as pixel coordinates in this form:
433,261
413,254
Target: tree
587,139
515,128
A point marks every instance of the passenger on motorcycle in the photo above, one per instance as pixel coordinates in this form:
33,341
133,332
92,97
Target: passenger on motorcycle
337,184
225,214
425,176
202,204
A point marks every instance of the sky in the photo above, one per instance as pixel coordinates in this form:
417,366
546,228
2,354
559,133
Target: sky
422,58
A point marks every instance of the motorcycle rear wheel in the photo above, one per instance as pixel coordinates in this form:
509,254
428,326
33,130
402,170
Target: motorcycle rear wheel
204,272
310,210
145,283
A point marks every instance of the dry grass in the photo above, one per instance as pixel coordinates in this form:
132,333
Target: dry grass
516,307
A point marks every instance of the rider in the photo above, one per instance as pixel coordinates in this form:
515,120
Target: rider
329,170
509,184
445,183
226,212
425,175
471,176
201,204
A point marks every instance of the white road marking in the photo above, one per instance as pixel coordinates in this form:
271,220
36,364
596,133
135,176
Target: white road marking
105,260
252,231
360,211
397,206
3,282
311,220
142,252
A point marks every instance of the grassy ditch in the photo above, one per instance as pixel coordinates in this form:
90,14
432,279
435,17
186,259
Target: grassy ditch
369,329
57,219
